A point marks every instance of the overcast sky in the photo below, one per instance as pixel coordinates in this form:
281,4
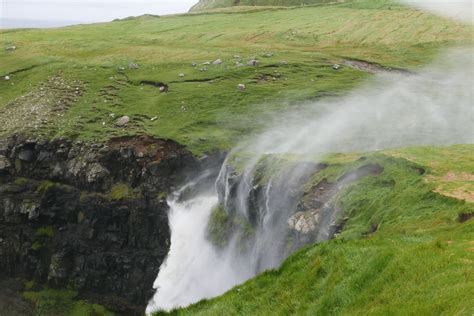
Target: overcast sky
46,13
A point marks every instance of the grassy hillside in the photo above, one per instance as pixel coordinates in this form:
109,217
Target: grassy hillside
204,5
405,249
86,79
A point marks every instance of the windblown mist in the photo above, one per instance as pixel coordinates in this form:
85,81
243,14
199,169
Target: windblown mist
433,106
458,9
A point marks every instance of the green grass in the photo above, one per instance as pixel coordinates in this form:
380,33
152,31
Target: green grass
205,5
205,110
419,261
63,302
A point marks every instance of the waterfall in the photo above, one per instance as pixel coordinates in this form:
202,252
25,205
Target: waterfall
256,199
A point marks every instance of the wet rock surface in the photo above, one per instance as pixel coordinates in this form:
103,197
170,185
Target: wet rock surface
91,217
299,212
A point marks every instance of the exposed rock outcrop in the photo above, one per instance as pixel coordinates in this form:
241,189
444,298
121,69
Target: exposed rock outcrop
92,217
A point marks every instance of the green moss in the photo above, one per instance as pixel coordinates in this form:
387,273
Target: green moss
46,231
30,284
222,225
63,302
162,195
44,186
218,226
36,245
22,181
122,191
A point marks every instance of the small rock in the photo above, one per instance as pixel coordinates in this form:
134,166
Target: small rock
336,66
217,61
121,68
181,75
154,118
7,78
163,88
10,48
203,69
237,56
133,65
253,62
4,163
239,64
112,115
193,64
123,121
267,55
241,86
206,63
26,155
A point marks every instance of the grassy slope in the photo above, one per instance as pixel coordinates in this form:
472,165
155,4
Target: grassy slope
214,114
419,261
204,5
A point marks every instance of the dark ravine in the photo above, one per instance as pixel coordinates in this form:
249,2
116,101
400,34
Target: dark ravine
88,217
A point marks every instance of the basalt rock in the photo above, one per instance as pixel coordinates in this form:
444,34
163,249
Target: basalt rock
91,217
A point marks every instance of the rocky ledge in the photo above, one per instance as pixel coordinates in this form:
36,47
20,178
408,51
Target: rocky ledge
88,217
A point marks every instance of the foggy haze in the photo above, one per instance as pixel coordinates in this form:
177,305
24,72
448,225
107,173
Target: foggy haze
53,13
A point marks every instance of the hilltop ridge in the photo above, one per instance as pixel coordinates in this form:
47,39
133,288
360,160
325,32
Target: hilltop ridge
204,5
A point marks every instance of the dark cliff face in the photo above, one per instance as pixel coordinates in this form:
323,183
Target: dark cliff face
91,217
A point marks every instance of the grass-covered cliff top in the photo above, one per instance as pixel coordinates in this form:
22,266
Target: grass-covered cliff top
407,247
77,81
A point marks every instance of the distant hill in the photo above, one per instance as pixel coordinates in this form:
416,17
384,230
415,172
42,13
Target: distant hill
203,5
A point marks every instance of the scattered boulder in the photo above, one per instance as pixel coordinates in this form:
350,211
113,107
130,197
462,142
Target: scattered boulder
268,55
181,75
10,48
336,66
203,69
241,87
304,222
123,121
133,65
253,62
206,63
217,61
7,78
193,64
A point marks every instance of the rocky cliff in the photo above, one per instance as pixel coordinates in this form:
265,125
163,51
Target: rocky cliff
88,217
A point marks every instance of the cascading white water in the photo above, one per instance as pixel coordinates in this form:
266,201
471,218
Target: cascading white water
434,106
